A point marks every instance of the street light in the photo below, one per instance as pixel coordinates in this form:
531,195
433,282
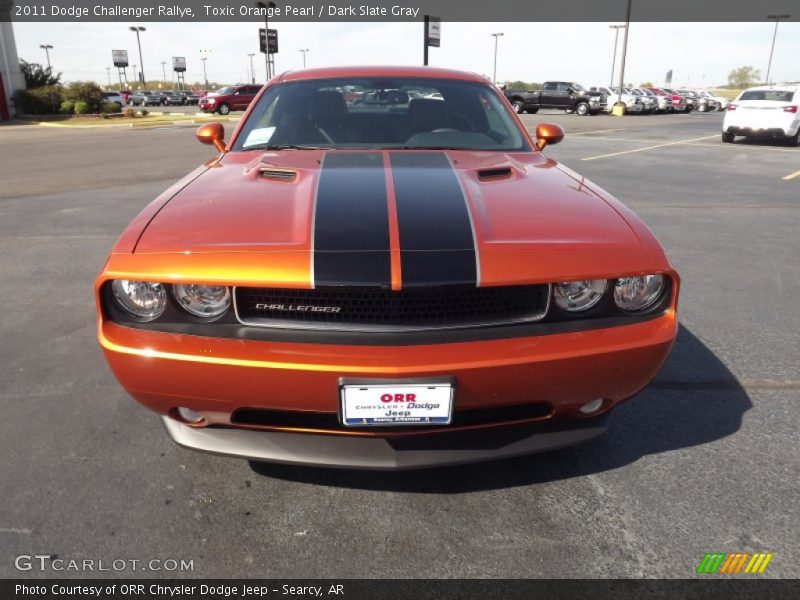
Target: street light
141,60
252,68
108,72
494,73
304,50
134,75
205,77
164,70
46,48
266,8
616,29
624,53
778,19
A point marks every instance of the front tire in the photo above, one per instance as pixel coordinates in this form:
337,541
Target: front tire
582,109
533,111
519,106
727,138
224,109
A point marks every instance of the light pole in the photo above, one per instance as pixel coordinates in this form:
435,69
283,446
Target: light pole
46,48
252,68
266,8
134,75
778,19
108,72
205,77
494,73
624,52
141,60
304,50
616,29
164,70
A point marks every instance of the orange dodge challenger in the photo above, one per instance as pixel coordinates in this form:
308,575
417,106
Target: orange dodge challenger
381,269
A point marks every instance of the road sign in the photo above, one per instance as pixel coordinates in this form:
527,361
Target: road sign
434,31
120,58
273,41
179,64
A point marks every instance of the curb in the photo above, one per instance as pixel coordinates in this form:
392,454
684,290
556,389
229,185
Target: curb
134,125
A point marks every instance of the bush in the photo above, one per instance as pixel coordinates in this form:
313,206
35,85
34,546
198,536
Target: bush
109,107
85,91
67,107
39,101
81,108
145,112
129,113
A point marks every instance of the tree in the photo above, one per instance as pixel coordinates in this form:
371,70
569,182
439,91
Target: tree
36,76
85,91
743,77
646,84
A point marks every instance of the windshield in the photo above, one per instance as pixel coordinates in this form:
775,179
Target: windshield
226,91
578,87
770,95
381,113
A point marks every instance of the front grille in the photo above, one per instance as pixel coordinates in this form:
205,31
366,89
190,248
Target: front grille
466,417
372,309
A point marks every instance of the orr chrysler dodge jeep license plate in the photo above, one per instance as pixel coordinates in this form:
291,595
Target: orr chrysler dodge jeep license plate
397,404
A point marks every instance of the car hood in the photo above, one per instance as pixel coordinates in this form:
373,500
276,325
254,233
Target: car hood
518,213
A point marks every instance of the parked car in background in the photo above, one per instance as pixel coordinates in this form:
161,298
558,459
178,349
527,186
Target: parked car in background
649,103
566,95
182,98
764,112
676,102
138,98
234,97
706,102
661,103
721,101
690,98
114,97
633,104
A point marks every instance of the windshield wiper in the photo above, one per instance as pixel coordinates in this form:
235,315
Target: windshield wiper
286,147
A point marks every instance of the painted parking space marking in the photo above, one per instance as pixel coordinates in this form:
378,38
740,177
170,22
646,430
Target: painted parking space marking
792,176
707,137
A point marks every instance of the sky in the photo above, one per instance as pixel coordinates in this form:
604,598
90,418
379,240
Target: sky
700,54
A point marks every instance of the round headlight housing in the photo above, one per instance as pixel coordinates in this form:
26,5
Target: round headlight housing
145,300
636,294
577,296
206,301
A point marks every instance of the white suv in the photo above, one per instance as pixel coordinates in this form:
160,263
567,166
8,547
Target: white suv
764,112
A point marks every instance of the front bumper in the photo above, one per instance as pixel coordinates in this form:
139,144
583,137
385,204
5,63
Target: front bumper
397,453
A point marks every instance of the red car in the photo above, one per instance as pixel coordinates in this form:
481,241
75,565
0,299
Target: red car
678,104
234,97
385,285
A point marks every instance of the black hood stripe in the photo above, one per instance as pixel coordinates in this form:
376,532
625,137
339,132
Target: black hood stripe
351,222
437,244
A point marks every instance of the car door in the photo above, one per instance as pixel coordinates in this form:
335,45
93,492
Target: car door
550,93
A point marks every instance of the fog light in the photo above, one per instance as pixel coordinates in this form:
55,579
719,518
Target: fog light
591,407
190,416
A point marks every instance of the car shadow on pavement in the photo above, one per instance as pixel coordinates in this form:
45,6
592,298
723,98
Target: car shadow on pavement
694,400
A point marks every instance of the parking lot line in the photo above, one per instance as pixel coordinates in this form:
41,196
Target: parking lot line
707,137
743,146
792,175
597,131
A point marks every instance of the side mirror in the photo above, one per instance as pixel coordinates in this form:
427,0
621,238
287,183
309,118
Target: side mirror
212,133
548,133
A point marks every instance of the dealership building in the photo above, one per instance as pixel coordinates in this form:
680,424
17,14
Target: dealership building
10,76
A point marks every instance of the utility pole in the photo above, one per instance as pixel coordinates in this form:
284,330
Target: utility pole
624,52
304,50
252,69
778,19
616,29
494,72
46,48
137,30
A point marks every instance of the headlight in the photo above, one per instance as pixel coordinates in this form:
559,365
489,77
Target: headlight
576,296
202,300
143,299
634,294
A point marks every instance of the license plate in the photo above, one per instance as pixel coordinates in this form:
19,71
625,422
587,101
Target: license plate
397,404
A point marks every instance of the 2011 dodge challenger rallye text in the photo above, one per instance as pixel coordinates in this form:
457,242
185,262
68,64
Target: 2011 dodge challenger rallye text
382,269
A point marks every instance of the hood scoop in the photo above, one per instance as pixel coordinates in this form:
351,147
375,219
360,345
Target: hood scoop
494,174
277,174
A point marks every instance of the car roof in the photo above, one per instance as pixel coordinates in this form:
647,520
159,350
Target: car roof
381,71
774,88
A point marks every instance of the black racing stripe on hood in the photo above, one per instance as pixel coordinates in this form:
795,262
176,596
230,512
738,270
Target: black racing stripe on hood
351,222
437,245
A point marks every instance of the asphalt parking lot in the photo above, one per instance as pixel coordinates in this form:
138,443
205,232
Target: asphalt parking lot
703,460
